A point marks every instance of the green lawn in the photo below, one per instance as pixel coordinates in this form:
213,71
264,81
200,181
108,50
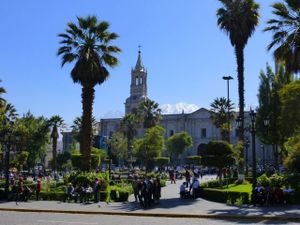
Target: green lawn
240,188
234,187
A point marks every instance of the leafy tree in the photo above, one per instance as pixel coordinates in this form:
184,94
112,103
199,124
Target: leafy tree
150,112
219,115
162,161
269,108
178,143
150,147
21,159
292,162
218,154
194,159
55,122
129,126
118,146
34,133
286,34
63,159
238,19
290,110
88,44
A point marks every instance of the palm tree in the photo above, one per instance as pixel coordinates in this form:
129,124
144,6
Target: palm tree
55,122
88,44
150,113
129,126
238,19
2,100
77,127
286,34
219,115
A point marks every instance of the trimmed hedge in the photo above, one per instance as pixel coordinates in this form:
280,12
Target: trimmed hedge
231,197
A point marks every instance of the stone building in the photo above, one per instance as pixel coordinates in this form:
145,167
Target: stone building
197,124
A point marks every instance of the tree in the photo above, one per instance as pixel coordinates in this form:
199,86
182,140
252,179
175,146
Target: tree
286,34
219,115
290,109
34,134
150,147
118,147
292,162
238,19
77,127
55,122
88,44
150,112
270,108
178,143
129,125
218,154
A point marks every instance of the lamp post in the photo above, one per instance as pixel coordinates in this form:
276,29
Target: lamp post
228,78
263,155
109,157
247,143
252,116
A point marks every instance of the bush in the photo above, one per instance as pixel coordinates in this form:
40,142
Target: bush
52,196
276,180
231,197
77,160
264,180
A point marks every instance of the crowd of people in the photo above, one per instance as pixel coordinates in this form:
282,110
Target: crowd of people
146,191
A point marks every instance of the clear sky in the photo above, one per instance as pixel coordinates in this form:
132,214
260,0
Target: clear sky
185,52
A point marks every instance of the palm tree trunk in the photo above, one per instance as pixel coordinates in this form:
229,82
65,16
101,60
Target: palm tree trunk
239,51
88,95
54,153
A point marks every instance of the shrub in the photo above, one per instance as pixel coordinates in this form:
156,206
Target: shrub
264,180
231,197
52,196
276,180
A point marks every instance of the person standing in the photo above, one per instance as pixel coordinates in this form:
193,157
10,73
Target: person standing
38,188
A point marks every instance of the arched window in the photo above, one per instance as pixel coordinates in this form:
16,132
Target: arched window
141,80
136,81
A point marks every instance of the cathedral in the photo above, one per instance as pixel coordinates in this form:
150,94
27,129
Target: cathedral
197,124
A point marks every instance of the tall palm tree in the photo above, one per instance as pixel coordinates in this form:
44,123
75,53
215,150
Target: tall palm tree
150,112
129,126
88,44
238,19
2,100
219,115
286,34
55,122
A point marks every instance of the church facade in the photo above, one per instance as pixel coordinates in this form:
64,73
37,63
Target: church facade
197,124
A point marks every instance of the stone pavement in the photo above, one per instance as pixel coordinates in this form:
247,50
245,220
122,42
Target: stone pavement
170,206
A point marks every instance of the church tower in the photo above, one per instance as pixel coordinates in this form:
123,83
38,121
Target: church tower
138,86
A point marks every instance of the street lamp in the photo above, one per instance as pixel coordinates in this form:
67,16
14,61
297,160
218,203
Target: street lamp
228,78
247,143
252,117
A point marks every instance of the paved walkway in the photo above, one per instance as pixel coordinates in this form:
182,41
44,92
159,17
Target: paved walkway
170,205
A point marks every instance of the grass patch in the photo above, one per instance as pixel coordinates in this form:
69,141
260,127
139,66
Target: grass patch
237,188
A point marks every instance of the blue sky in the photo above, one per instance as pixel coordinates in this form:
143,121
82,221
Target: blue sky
185,52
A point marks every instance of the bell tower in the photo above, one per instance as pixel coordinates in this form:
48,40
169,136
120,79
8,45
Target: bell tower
138,86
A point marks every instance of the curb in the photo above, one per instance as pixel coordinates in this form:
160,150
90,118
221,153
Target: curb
166,215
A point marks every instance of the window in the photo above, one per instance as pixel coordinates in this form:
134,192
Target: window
171,133
110,134
203,133
136,80
141,80
237,132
